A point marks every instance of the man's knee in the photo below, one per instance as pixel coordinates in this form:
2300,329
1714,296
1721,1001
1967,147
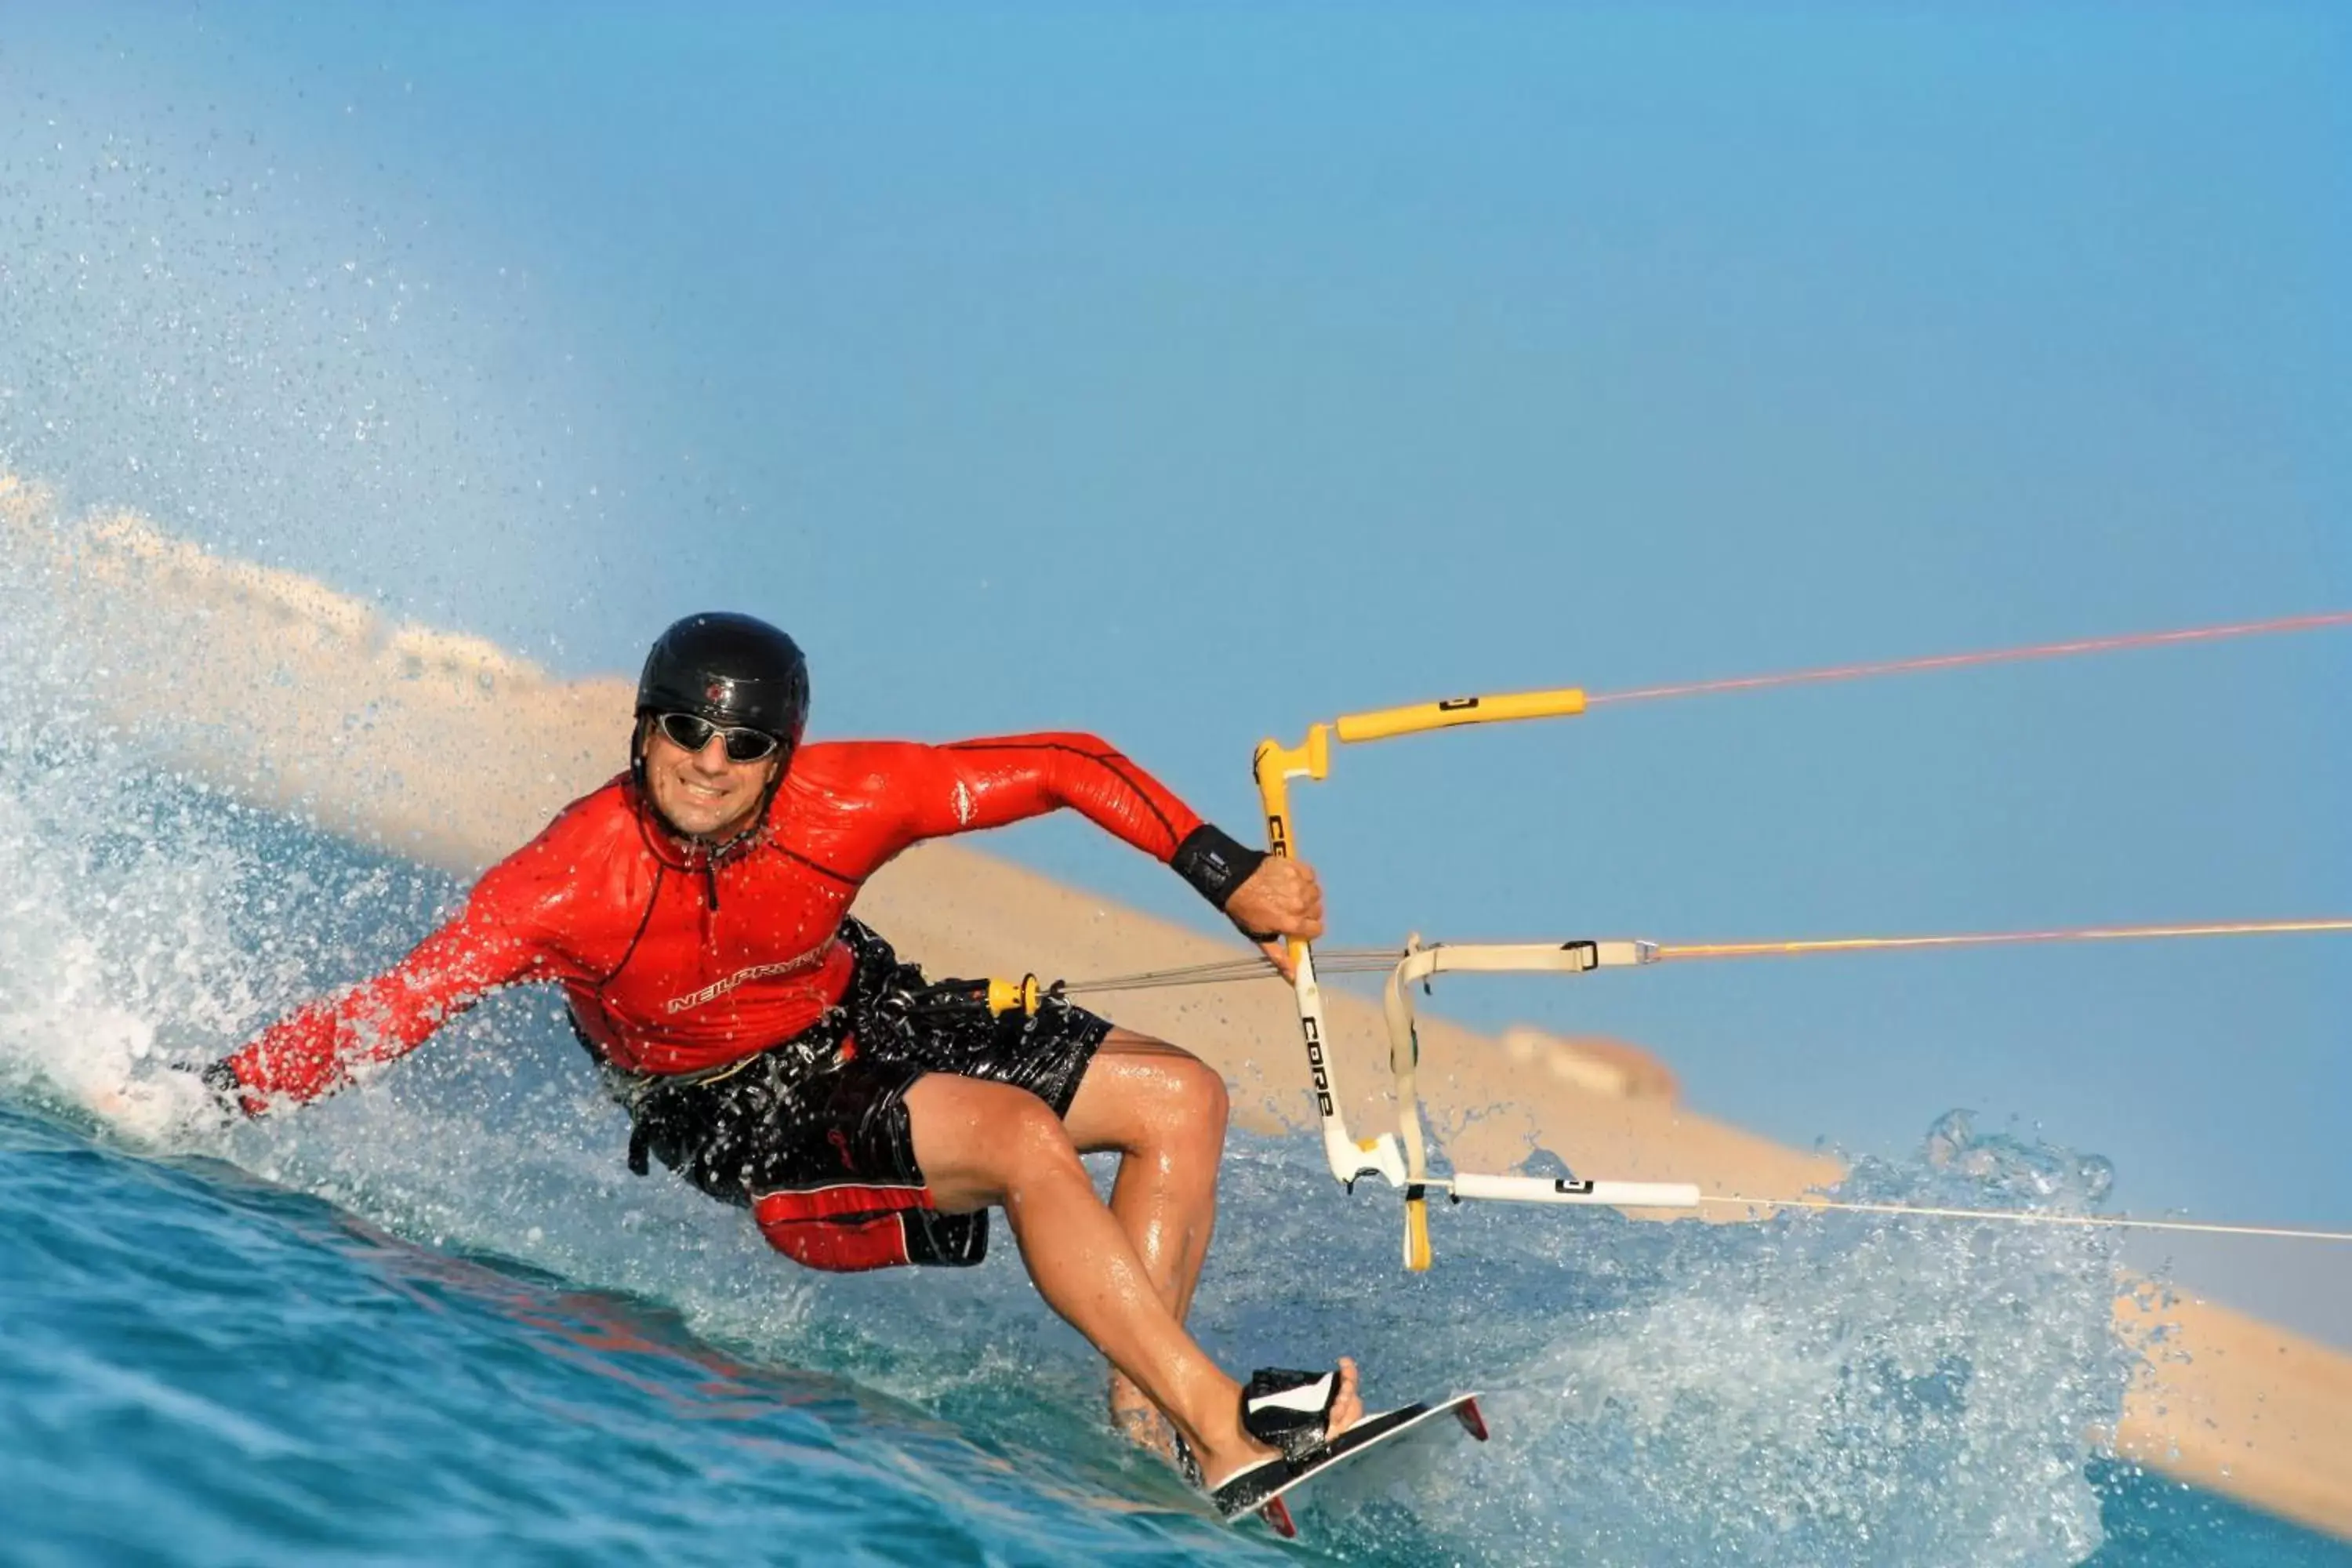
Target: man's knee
1183,1096
1032,1136
1202,1089
972,1136
1026,1144
1140,1095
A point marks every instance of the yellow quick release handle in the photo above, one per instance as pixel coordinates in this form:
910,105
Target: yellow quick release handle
1275,766
1013,997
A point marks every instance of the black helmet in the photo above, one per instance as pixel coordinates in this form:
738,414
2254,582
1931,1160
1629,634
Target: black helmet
731,669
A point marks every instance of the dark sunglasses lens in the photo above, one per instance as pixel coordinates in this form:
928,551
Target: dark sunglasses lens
692,732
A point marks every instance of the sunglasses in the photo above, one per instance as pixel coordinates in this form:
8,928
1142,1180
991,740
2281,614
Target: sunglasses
691,731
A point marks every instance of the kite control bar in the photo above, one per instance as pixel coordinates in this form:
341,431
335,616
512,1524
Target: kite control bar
1275,766
1401,1156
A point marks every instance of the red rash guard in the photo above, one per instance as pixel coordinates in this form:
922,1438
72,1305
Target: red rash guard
674,962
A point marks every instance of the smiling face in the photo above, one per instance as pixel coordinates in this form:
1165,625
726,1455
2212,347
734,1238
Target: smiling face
701,792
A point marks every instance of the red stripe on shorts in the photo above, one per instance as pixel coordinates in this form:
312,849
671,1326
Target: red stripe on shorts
833,1202
840,1246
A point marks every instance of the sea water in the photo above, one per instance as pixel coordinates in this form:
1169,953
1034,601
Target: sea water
437,1318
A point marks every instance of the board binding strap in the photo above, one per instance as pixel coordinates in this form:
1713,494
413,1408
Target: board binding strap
1261,1490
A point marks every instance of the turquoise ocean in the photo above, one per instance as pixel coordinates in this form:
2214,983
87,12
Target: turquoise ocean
436,1318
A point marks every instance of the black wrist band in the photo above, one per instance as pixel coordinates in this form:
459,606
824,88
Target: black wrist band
1214,862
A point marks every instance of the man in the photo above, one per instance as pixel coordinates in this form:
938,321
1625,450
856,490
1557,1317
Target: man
773,1050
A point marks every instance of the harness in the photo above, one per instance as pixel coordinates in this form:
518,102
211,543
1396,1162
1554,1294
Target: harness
886,1003
668,1107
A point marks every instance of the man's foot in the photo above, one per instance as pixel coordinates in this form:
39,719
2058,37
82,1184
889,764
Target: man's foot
1229,1459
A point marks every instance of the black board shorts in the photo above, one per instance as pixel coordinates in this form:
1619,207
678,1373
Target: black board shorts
813,1135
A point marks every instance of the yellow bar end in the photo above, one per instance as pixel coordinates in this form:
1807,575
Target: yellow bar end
1456,711
1416,1235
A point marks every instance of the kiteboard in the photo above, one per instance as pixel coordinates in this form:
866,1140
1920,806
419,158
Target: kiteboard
1264,1490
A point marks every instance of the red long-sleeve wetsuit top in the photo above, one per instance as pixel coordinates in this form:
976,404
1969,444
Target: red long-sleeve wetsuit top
675,961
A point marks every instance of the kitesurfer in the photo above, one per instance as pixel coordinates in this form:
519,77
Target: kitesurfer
773,1051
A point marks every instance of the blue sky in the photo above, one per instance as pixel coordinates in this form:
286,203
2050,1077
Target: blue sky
1191,373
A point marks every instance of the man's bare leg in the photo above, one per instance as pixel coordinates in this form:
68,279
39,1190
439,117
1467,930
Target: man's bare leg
1164,1110
980,1144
